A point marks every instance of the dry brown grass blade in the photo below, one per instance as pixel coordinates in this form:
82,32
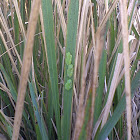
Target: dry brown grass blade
81,107
107,15
26,67
124,23
61,16
113,87
83,16
80,111
97,54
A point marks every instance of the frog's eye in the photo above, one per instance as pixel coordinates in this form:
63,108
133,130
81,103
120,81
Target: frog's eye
68,58
68,85
70,70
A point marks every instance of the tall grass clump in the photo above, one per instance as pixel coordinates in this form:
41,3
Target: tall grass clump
69,69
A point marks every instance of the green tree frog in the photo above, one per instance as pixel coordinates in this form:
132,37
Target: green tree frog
68,85
70,70
68,58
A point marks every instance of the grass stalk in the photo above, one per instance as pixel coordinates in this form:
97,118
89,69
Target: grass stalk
124,23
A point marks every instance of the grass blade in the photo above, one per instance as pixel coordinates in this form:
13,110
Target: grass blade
40,120
9,83
51,57
7,124
70,48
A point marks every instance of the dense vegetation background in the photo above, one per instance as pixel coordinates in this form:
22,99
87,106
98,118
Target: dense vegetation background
69,69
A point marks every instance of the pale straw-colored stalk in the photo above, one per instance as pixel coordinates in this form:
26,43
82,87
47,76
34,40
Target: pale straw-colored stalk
124,23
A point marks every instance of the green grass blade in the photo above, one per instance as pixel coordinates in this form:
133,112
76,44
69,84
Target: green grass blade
9,83
6,100
135,32
51,54
50,112
39,118
7,124
70,48
119,109
6,62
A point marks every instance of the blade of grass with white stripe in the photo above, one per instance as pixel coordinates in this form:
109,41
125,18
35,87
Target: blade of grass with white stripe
70,48
51,56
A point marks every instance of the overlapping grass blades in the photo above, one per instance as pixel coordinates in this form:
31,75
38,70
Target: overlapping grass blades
9,83
50,107
13,92
119,109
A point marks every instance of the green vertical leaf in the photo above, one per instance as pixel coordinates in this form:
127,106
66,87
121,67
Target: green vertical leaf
70,49
39,118
51,54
